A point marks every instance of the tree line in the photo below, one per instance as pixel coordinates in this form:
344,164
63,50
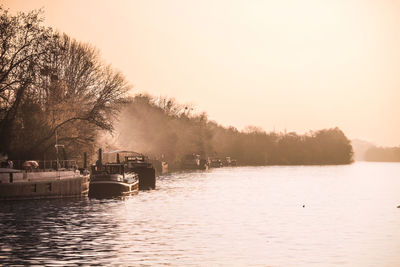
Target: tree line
385,154
163,128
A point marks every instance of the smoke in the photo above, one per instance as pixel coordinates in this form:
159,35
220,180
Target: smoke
161,127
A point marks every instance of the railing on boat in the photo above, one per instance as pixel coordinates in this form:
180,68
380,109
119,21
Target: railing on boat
44,165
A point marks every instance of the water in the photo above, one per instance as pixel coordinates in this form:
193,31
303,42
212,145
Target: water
245,216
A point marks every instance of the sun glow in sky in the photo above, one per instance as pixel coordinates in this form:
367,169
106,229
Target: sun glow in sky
298,65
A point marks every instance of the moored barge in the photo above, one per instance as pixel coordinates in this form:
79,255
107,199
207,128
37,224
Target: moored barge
112,180
141,165
137,163
43,179
216,163
194,162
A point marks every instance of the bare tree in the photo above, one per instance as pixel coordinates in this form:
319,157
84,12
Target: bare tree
79,92
51,84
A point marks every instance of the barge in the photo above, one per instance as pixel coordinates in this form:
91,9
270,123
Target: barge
216,163
136,163
43,179
112,179
194,162
228,161
141,165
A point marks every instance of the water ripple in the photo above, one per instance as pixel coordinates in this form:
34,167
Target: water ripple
252,216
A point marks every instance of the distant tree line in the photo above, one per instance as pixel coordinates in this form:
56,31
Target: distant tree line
52,88
385,154
163,128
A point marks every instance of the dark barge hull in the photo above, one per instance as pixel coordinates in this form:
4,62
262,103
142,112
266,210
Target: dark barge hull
67,187
202,166
147,177
110,189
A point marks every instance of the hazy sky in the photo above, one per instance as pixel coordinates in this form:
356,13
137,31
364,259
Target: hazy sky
290,64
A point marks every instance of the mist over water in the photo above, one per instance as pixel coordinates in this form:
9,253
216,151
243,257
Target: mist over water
247,216
164,129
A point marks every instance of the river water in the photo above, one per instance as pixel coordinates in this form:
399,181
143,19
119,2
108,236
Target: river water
244,216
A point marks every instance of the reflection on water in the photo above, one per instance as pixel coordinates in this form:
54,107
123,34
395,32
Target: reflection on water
251,216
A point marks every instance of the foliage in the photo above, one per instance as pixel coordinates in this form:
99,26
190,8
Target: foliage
158,129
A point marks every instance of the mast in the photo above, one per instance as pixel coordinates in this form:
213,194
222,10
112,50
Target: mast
56,146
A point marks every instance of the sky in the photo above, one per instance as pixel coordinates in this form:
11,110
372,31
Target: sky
288,65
